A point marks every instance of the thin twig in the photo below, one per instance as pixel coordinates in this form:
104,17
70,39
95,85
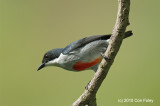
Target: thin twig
122,21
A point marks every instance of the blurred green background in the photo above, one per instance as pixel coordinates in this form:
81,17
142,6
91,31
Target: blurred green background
29,28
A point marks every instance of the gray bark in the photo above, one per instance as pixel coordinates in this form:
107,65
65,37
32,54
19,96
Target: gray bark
122,21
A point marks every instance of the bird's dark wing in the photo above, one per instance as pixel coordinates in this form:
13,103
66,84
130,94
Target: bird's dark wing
83,42
86,40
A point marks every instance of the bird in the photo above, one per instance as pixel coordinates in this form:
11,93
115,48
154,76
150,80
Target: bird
80,55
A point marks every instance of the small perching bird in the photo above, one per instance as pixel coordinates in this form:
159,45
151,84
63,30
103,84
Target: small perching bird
80,55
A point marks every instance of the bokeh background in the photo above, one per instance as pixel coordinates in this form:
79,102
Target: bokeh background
29,28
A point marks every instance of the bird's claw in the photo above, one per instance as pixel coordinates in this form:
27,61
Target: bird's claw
86,87
106,58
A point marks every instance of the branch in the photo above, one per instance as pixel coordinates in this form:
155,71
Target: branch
122,21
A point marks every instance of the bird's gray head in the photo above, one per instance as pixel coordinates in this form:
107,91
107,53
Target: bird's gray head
50,58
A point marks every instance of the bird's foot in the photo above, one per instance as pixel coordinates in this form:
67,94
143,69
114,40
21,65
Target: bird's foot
86,87
106,58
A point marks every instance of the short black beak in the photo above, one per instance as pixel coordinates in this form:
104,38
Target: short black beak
41,66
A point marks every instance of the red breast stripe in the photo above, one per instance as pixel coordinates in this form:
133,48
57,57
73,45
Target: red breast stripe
79,66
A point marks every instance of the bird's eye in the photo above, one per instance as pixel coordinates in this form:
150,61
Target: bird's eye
46,56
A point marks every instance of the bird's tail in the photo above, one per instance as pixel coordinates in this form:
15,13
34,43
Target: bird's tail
128,34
